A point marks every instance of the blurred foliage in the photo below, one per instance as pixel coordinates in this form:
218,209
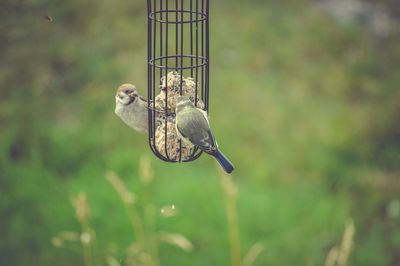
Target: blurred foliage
306,107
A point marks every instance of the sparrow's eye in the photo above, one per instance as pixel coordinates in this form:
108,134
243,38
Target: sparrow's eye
126,91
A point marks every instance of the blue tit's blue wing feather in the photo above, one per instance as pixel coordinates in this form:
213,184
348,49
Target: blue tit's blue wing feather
223,161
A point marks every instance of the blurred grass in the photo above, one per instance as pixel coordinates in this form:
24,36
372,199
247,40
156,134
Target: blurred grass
305,107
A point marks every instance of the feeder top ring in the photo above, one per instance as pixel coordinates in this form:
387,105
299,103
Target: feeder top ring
203,62
173,18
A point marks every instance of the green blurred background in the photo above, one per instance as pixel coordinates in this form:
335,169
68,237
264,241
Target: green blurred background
304,99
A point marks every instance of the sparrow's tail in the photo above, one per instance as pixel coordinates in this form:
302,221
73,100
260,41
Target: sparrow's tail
223,161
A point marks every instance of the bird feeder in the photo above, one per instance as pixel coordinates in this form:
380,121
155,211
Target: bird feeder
178,64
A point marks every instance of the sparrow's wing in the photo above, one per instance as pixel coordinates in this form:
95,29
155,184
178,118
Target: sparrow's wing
194,126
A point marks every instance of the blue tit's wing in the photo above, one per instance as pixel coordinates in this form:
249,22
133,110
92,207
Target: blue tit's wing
194,126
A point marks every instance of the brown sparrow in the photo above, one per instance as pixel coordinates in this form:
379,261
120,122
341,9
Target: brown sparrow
131,107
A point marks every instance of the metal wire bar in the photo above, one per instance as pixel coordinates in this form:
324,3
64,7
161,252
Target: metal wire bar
191,40
197,48
166,73
181,79
207,55
202,47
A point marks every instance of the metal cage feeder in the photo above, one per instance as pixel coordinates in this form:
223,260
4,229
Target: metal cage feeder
178,64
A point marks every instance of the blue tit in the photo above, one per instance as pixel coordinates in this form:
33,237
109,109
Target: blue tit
192,126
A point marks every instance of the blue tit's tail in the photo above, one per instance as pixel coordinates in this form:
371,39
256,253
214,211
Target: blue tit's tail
223,161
